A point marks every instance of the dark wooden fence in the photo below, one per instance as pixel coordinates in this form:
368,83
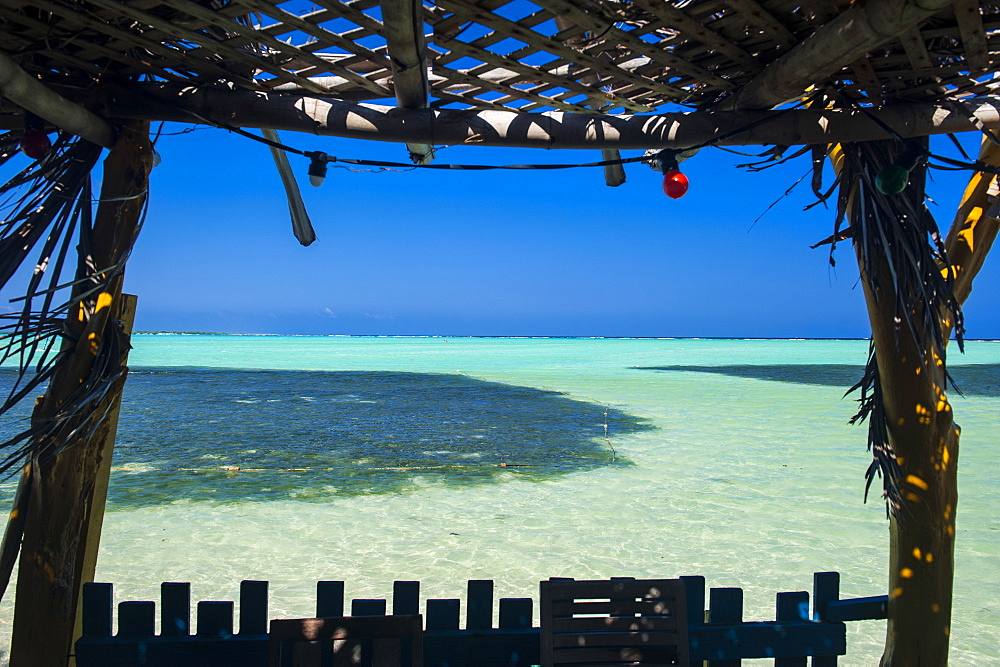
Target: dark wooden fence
717,631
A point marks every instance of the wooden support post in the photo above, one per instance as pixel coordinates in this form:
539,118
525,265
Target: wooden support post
58,538
924,437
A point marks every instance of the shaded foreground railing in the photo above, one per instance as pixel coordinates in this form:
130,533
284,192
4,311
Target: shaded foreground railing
717,632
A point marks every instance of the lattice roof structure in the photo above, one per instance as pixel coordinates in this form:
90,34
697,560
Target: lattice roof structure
607,56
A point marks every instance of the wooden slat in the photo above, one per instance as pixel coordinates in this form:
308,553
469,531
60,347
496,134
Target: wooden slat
826,589
970,27
758,16
865,74
368,607
572,639
679,66
384,634
792,607
543,73
916,50
215,618
694,29
132,40
205,43
175,609
515,613
725,606
479,605
97,610
253,607
329,598
443,614
607,623
405,598
550,45
614,607
135,619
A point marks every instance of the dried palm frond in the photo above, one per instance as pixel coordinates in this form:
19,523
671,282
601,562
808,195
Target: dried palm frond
48,217
902,257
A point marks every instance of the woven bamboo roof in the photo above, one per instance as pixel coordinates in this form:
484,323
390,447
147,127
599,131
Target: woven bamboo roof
629,56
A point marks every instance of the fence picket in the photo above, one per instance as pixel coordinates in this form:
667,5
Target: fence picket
175,609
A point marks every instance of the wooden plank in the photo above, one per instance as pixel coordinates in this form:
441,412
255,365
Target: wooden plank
611,638
604,623
175,609
970,26
792,607
135,619
865,75
479,605
253,607
98,612
443,614
329,598
766,640
858,609
215,618
405,598
250,651
725,606
915,48
826,589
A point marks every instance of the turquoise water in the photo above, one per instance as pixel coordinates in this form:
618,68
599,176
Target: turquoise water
730,459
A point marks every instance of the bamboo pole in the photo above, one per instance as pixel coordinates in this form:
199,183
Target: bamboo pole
60,506
552,130
404,39
29,93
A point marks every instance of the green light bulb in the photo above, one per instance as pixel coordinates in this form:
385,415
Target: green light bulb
892,180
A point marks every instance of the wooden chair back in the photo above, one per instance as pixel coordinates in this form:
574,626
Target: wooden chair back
614,622
375,641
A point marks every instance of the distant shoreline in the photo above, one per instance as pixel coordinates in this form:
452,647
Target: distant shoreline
272,335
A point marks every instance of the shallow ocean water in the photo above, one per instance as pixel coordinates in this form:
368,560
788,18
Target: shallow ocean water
747,474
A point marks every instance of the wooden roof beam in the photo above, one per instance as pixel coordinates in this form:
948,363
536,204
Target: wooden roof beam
29,93
404,37
843,40
333,117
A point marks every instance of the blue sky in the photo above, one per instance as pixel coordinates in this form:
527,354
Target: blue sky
497,252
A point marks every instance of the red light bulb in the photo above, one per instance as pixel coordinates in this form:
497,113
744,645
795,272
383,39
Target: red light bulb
35,143
675,184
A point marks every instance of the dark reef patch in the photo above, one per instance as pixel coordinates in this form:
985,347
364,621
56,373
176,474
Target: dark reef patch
972,379
236,435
